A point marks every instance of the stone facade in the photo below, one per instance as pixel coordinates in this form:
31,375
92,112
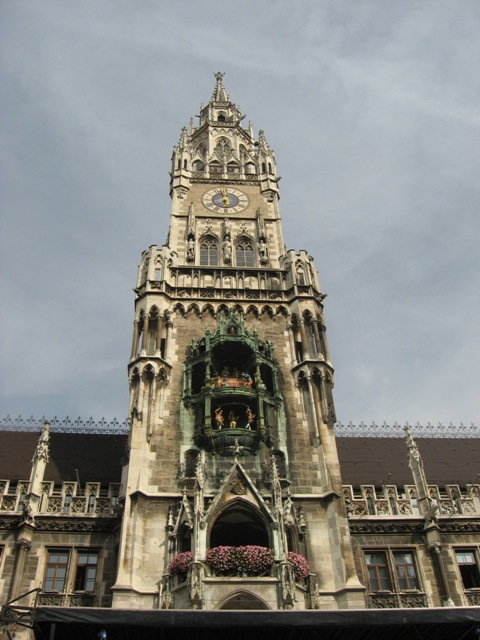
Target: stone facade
230,374
231,438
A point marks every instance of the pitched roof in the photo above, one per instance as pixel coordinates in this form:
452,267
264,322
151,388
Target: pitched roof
96,457
371,460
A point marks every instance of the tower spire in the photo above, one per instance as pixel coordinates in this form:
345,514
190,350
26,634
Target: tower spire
219,93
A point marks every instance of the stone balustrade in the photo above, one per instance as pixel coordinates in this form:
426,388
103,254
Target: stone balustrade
390,500
67,498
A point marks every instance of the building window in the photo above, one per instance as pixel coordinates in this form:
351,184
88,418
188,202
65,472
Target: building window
209,253
244,254
391,571
468,566
191,458
56,571
378,573
86,571
405,571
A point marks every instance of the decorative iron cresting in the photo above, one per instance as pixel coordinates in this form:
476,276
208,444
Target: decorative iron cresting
396,430
66,425
350,430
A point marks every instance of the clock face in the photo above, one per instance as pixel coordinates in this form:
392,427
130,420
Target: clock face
225,200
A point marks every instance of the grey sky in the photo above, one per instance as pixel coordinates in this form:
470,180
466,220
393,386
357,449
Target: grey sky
372,108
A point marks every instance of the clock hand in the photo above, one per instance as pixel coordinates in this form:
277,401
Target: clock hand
225,198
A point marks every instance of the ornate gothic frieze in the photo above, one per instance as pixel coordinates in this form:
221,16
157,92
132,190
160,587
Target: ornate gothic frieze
381,527
76,525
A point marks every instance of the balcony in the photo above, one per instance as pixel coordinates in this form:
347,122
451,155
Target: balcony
55,599
231,441
390,600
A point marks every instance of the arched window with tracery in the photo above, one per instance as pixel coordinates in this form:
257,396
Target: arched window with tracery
209,252
244,254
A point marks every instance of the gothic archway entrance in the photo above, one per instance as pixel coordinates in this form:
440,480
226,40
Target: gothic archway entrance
243,600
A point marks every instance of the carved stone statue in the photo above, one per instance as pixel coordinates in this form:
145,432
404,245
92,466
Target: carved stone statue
190,250
227,250
263,251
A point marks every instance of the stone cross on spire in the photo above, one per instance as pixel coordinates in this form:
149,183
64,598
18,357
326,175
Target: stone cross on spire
219,93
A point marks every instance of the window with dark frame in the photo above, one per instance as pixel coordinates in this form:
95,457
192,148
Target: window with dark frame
86,571
467,564
378,574
393,571
405,571
56,570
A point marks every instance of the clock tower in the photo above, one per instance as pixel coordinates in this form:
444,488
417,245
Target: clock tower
231,481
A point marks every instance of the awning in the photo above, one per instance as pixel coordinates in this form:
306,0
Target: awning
71,623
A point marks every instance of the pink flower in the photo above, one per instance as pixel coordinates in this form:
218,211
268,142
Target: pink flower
250,560
300,566
180,565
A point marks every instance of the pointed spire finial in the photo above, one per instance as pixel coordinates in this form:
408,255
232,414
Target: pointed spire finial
219,93
182,143
43,445
262,141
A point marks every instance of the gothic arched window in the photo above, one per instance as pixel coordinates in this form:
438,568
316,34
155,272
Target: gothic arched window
244,253
209,252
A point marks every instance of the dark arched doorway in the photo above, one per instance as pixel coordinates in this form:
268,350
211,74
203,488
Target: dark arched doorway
239,525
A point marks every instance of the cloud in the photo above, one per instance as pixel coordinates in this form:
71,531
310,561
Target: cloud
372,112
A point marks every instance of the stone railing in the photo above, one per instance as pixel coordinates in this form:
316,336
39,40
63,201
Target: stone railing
397,600
390,500
67,498
53,599
473,597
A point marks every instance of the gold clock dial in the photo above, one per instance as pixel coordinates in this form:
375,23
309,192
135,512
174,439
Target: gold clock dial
225,200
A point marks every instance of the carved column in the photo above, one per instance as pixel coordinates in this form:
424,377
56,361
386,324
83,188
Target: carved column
291,341
23,545
135,340
158,336
151,406
146,322
447,600
168,327
301,326
326,351
318,339
311,400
